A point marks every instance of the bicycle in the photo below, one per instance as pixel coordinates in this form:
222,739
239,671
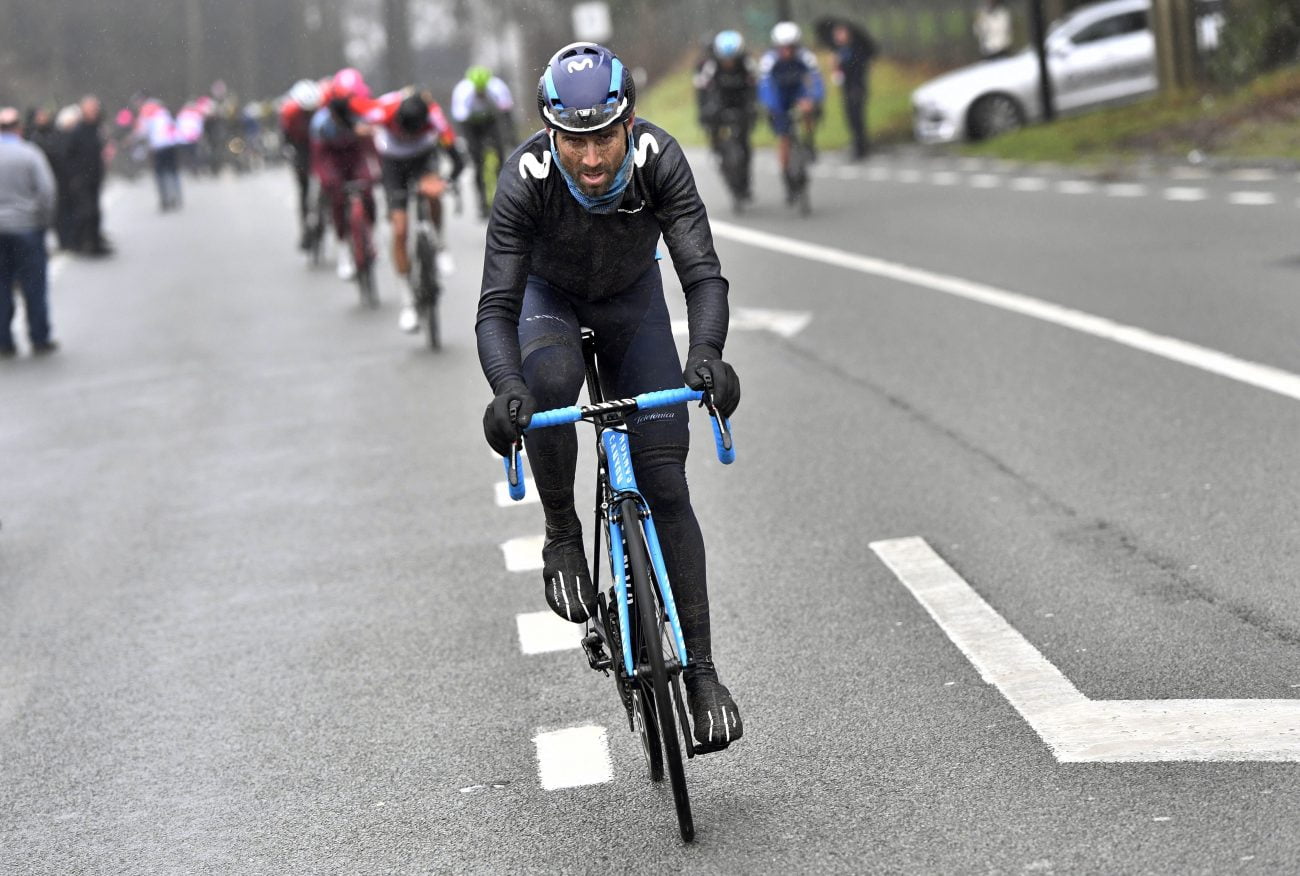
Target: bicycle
316,223
361,240
426,284
797,174
634,632
732,158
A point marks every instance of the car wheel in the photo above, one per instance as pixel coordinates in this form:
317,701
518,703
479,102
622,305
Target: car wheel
994,114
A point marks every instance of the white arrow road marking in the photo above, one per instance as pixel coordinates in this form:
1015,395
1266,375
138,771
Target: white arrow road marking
1075,728
786,323
523,554
503,494
1262,376
573,757
541,632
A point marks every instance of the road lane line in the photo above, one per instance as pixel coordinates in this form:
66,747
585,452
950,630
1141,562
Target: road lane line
1076,187
523,554
985,181
1252,174
1212,361
1252,199
541,632
879,174
503,494
945,178
910,175
573,757
1126,190
1029,184
1184,193
1075,728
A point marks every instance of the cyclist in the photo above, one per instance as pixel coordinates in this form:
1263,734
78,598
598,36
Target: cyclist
571,242
303,100
790,87
410,131
480,106
726,87
342,152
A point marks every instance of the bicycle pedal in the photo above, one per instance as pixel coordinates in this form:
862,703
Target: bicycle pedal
594,648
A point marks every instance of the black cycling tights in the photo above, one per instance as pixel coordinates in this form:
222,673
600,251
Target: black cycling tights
635,353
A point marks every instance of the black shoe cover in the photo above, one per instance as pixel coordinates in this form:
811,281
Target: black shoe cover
713,711
569,591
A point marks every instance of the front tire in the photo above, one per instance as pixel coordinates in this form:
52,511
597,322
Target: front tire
993,115
650,644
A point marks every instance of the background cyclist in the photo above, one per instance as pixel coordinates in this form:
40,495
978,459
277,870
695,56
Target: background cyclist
410,132
790,87
303,100
571,242
480,106
725,85
342,151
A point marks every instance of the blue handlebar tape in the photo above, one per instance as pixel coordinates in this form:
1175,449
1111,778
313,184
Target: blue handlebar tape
726,455
555,417
516,485
661,398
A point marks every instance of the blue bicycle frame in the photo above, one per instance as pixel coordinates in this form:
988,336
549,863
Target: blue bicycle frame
617,458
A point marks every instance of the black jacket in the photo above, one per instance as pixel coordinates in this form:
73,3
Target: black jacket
537,227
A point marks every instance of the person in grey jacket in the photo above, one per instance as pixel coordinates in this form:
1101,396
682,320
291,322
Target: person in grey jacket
27,197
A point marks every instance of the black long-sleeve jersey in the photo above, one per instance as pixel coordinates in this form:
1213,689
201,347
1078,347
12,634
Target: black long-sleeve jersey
538,227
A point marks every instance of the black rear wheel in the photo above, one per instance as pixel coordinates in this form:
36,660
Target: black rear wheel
649,644
427,268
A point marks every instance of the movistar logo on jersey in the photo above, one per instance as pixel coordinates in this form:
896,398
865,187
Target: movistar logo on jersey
531,165
644,147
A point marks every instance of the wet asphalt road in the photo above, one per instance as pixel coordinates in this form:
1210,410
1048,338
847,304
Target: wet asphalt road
254,616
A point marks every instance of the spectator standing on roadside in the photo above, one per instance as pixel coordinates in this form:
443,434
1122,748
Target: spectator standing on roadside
157,128
27,196
854,49
993,29
85,173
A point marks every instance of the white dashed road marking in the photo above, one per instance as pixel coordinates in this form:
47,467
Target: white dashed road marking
1029,184
1252,199
523,554
1078,729
1126,190
945,178
1076,187
985,181
541,632
1212,361
573,757
1184,193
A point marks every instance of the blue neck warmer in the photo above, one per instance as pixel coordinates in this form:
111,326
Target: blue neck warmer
608,202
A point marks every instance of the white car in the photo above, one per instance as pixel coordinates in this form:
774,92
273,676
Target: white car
1099,54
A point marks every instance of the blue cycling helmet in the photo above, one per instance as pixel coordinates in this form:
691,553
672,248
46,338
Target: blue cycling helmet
728,44
585,88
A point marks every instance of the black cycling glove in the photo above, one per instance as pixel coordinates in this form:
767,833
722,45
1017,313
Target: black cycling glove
502,429
706,370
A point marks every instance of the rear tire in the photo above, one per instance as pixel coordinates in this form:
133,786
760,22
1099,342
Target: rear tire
363,256
427,267
649,642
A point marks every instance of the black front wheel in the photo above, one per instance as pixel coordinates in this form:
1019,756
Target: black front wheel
994,114
649,647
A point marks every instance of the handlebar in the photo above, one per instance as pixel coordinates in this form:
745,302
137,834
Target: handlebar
661,398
